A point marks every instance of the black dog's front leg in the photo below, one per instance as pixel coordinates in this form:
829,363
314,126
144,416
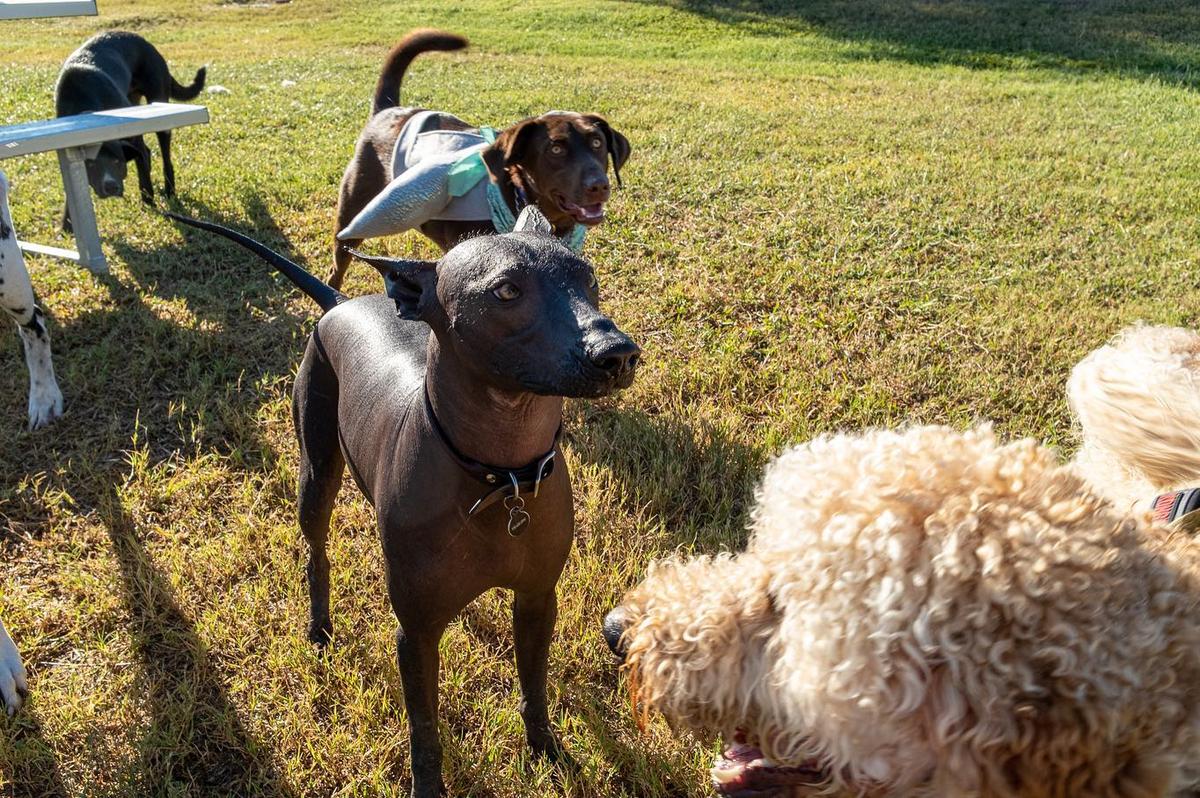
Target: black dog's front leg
139,153
533,627
417,656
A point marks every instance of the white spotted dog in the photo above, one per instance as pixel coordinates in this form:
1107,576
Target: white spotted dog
17,300
12,673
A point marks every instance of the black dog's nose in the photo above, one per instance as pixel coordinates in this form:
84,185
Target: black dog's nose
615,624
111,187
618,356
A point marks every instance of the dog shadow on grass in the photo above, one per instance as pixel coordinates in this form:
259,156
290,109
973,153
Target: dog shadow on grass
693,479
32,768
1153,39
182,387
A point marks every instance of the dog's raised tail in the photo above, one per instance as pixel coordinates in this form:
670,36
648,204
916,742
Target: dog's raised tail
324,295
179,92
387,90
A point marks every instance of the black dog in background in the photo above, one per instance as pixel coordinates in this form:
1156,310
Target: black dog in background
115,70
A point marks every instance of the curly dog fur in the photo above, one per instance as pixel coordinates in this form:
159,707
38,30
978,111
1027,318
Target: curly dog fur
1138,401
930,612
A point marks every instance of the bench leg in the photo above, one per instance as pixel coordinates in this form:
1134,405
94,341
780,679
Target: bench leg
83,213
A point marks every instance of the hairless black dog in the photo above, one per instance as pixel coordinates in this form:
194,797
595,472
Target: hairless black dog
454,437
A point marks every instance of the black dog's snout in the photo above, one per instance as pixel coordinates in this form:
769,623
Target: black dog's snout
615,624
111,187
617,357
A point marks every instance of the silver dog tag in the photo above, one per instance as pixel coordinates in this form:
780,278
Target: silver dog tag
517,519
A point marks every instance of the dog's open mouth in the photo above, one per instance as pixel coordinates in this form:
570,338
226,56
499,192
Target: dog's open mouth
742,771
589,215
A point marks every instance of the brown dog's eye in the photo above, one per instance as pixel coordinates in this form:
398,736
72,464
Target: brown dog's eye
506,292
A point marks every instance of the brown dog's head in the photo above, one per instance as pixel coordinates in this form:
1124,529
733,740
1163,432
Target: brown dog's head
560,161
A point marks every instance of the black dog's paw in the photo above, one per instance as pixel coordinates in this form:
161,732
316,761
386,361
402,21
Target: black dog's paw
546,745
320,633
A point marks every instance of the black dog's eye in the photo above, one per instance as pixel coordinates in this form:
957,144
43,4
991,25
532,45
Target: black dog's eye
597,144
506,292
557,149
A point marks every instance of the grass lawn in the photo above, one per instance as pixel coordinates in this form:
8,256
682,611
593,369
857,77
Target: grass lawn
838,213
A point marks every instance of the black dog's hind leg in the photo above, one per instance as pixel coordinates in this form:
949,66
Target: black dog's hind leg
314,413
533,627
164,146
67,227
139,153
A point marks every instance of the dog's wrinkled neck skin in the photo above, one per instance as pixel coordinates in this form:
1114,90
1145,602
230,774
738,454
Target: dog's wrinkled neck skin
503,428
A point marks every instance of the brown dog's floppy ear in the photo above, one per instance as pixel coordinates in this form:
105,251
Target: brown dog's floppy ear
618,146
510,147
410,283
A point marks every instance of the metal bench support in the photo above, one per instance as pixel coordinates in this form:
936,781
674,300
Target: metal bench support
83,213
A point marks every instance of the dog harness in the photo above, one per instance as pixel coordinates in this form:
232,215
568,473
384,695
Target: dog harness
440,175
1172,506
507,483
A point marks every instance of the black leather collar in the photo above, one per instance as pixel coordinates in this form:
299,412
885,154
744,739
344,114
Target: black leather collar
505,481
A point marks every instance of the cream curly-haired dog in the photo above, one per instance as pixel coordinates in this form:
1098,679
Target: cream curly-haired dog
1138,404
935,613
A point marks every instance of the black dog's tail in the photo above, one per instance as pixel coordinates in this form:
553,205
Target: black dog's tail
189,92
387,90
324,295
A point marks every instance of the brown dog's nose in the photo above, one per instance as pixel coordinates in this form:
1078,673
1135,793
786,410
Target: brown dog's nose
615,624
618,356
597,189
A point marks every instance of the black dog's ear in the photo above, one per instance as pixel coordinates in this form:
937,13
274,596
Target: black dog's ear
410,283
510,147
618,145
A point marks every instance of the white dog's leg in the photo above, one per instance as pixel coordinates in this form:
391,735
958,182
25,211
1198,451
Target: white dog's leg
12,673
16,298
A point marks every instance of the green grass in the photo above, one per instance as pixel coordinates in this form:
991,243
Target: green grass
838,213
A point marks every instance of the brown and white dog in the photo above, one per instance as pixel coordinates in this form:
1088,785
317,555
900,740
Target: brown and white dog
557,161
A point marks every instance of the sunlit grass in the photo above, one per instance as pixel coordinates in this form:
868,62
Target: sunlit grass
837,214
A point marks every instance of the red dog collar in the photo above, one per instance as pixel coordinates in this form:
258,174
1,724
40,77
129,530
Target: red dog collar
1171,506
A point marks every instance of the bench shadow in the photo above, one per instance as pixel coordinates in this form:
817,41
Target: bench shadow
132,370
1152,39
186,271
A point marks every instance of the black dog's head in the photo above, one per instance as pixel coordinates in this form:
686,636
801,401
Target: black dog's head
520,310
106,168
